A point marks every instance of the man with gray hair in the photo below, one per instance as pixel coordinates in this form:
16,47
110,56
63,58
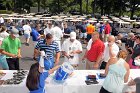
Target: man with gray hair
111,50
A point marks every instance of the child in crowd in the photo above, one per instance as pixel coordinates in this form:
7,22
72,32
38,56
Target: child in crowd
36,78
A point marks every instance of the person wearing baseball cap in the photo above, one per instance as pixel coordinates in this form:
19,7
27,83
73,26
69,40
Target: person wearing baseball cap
11,48
14,32
71,48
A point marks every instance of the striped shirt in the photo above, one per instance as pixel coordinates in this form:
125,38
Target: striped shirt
50,50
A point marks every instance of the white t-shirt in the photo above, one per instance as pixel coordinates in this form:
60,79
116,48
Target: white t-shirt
47,30
89,44
56,33
68,47
27,29
115,50
1,20
4,34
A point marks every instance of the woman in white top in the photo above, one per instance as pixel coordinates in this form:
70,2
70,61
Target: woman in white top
3,33
117,73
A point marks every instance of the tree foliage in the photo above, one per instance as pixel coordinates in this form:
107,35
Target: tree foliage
103,7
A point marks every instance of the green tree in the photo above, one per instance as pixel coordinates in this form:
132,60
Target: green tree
134,6
9,4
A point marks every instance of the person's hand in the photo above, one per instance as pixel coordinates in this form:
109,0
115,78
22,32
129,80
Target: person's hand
14,56
83,58
73,52
96,66
68,56
19,56
110,44
131,82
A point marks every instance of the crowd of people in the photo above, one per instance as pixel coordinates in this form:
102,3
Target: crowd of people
65,39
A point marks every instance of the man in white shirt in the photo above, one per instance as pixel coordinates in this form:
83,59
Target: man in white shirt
48,29
1,20
57,34
27,30
111,50
71,48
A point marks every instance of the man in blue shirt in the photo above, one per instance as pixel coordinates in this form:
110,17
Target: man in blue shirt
51,49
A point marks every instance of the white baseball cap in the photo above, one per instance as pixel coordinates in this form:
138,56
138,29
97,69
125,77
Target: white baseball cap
72,35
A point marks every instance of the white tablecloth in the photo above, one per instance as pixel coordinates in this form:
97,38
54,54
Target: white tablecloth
74,84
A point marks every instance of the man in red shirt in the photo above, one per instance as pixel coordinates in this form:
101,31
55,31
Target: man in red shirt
94,52
107,31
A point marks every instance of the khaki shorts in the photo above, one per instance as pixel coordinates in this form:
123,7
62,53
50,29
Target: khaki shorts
89,65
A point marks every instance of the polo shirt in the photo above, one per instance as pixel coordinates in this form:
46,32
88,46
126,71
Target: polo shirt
90,29
107,29
67,30
11,45
35,34
83,28
94,49
49,49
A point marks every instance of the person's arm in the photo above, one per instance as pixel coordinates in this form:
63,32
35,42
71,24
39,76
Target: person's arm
19,53
65,54
96,65
88,48
107,66
53,69
126,77
36,50
76,52
100,54
9,54
85,55
57,58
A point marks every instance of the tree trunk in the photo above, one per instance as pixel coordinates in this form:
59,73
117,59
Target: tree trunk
81,7
14,6
133,3
132,13
38,1
58,6
94,7
120,11
102,7
87,7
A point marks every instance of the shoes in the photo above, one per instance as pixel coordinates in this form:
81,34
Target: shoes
34,58
27,44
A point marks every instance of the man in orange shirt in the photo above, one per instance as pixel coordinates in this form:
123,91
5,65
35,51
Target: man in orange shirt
94,52
90,29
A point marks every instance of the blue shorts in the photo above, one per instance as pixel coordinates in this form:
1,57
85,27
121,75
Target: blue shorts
3,62
27,35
